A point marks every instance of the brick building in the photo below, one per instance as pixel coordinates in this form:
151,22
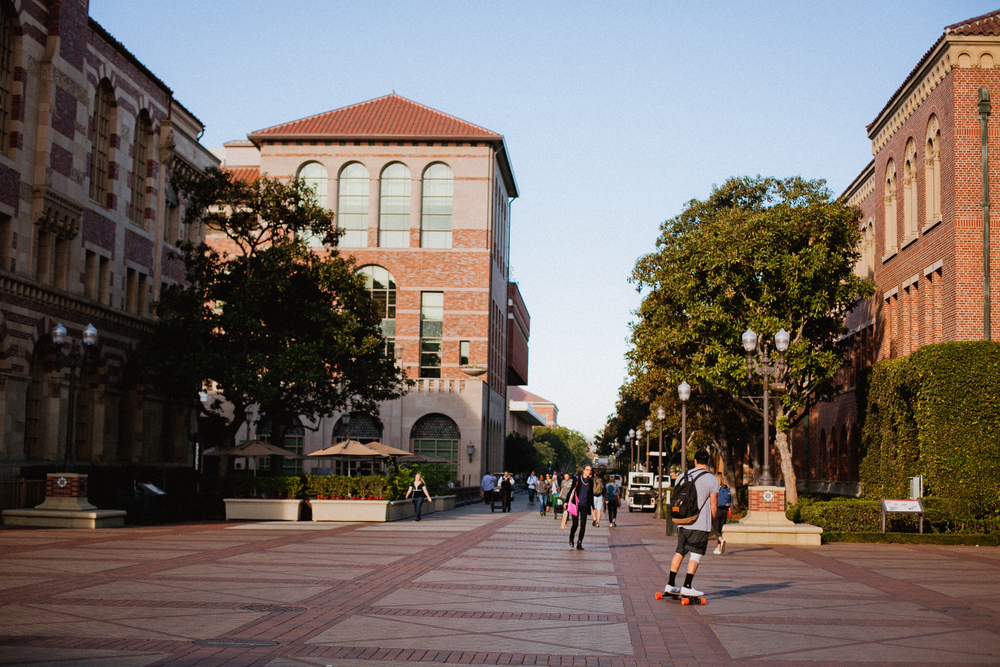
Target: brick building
528,410
424,199
89,138
922,225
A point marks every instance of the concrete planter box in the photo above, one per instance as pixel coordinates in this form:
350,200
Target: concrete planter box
375,510
261,509
443,503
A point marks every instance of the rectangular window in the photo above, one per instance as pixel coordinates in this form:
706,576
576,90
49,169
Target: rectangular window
137,206
7,18
90,275
140,298
43,257
130,290
463,353
446,449
431,331
104,281
61,265
6,241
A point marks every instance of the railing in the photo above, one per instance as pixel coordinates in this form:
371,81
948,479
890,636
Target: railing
439,386
18,494
466,495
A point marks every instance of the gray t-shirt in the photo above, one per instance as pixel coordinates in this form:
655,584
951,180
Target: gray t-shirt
707,484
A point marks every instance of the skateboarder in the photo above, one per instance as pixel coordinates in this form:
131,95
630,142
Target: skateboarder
693,538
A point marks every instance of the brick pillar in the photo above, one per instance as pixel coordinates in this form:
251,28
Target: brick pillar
66,491
767,499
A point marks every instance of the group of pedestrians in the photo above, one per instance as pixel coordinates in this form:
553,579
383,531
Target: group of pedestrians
498,489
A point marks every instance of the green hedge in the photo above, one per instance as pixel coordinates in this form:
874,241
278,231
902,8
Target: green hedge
913,538
935,413
861,515
378,487
339,487
249,486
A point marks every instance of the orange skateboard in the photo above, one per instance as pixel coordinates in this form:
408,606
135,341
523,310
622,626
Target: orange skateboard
685,599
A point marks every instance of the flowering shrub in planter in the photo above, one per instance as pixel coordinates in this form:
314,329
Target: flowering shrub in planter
339,487
249,486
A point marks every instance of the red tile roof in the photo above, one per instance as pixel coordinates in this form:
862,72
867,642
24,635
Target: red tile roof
987,24
384,117
243,173
517,394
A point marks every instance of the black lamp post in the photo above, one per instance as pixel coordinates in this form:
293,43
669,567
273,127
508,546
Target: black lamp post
649,431
764,367
631,438
73,359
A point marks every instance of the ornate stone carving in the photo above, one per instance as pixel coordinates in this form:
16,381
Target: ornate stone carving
70,86
58,214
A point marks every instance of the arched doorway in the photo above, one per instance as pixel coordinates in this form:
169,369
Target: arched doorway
437,435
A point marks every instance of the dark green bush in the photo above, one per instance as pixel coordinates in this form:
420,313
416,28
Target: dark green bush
339,487
862,515
936,413
249,486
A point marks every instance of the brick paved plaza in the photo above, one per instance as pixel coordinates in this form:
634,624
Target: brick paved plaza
474,587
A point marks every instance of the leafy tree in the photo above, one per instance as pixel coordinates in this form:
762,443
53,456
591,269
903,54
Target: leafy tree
518,454
759,253
570,447
274,322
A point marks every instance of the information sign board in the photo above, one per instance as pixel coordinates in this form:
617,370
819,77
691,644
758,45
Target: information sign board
903,507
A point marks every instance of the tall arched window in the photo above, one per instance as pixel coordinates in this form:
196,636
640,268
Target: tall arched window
313,174
394,207
8,26
890,208
382,287
352,206
435,219
140,153
870,251
437,435
932,171
910,192
101,146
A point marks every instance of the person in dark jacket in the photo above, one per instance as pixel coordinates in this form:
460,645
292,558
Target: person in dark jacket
506,491
583,495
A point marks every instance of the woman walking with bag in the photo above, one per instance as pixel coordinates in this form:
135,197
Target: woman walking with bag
581,500
419,491
544,488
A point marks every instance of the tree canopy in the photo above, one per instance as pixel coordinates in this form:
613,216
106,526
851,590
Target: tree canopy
275,322
758,253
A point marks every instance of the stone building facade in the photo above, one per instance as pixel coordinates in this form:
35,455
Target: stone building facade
424,199
922,227
89,138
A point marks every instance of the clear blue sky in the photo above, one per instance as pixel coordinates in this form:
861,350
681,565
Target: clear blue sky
615,114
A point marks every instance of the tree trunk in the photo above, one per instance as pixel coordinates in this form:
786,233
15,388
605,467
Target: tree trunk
787,468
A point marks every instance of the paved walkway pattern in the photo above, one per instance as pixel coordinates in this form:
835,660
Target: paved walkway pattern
480,588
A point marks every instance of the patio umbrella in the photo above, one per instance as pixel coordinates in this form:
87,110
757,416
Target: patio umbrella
388,450
256,449
348,450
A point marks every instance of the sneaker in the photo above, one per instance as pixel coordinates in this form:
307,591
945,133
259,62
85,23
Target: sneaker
691,592
717,551
579,547
671,590
722,546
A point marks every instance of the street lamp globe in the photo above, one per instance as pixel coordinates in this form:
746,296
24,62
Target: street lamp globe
684,391
58,334
661,413
781,340
638,434
649,426
749,340
90,335
631,433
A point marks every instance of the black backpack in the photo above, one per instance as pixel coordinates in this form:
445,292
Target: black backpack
684,507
